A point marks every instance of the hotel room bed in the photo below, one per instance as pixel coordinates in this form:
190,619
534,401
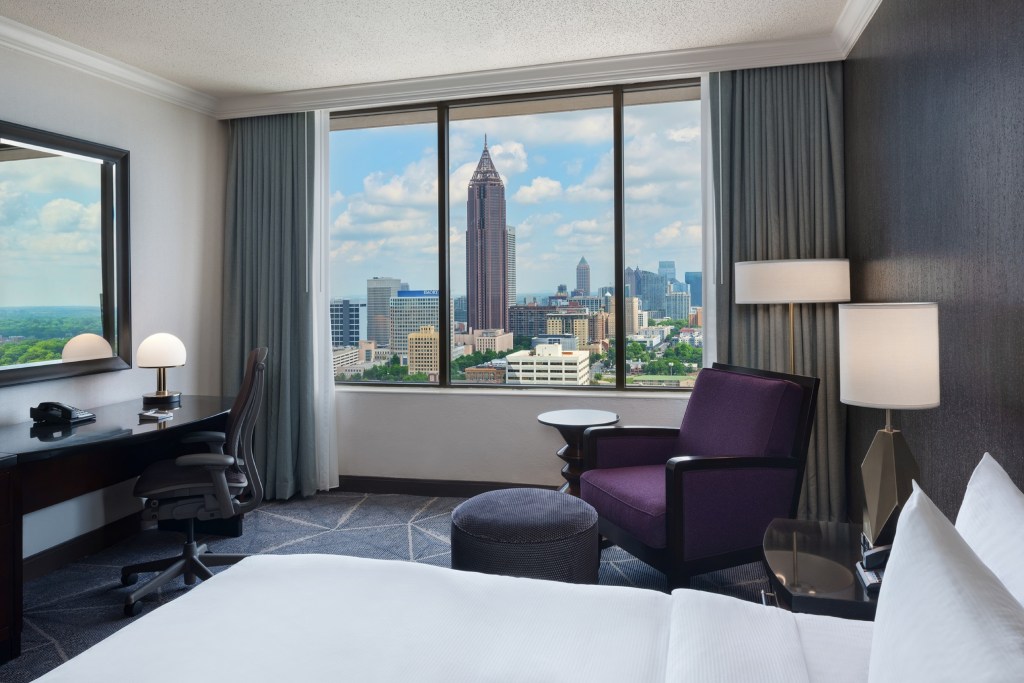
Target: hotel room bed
329,617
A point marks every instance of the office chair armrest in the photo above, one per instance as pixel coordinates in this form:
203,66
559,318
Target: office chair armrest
606,447
214,460
718,504
214,441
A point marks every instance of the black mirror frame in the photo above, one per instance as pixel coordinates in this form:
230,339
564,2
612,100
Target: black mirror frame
116,255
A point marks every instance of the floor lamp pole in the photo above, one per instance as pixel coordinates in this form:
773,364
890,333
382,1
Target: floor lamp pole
792,342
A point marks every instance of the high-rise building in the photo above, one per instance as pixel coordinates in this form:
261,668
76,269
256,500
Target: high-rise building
582,278
696,283
424,351
632,315
574,321
511,265
411,310
651,289
461,311
667,269
529,321
486,248
677,306
345,318
379,291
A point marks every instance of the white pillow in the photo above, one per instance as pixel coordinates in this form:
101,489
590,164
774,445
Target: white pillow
991,520
942,614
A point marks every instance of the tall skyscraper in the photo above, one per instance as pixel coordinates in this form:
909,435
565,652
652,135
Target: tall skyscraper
345,322
486,248
379,291
511,265
582,278
696,283
667,269
411,310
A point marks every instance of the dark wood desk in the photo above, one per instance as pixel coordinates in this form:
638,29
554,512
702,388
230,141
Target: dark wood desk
42,465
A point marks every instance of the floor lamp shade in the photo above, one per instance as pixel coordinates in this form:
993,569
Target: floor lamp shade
161,351
888,358
792,281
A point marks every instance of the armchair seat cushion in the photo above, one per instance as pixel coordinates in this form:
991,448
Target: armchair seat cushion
632,498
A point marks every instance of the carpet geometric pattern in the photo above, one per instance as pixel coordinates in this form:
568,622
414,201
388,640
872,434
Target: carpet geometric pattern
75,607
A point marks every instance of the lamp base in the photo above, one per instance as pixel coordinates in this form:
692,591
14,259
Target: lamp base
888,470
162,398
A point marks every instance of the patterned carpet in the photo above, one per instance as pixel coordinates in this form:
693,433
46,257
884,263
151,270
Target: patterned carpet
71,609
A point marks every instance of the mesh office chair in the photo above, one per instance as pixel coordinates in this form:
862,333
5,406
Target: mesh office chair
202,486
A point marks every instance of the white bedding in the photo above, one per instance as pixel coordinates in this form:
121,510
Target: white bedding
330,617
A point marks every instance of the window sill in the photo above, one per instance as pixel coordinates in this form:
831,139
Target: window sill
513,392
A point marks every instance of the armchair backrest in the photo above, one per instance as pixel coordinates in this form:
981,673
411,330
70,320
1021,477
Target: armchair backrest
244,412
743,411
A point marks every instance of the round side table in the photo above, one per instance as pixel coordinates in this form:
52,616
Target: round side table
571,424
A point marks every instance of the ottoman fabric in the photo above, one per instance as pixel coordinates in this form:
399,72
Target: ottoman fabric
533,533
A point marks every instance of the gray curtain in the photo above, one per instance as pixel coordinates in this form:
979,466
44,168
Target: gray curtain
777,141
267,293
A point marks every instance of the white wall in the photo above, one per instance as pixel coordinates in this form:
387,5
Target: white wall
473,434
178,172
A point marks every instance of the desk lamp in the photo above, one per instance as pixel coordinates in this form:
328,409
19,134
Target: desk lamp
86,346
792,281
161,351
888,358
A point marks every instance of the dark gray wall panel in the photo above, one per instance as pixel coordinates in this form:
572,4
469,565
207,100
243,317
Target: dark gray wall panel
934,109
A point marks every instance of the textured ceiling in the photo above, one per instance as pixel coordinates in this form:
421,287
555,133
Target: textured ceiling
237,47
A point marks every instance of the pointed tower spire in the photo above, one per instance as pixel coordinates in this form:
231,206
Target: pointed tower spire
485,171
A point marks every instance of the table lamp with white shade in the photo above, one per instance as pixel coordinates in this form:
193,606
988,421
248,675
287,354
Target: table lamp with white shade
86,346
161,351
792,281
888,358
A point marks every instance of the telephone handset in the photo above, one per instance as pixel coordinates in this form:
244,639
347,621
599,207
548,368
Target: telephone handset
59,413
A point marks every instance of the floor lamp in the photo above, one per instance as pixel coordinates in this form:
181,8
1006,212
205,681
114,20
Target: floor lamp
888,358
792,281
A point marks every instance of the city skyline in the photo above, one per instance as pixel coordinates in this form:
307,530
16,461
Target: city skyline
556,168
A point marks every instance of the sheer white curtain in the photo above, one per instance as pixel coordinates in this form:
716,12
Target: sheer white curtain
323,383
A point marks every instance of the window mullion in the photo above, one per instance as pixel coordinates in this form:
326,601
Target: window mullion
620,242
444,328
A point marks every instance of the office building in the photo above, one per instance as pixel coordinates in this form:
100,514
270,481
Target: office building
695,281
511,250
486,340
632,315
424,351
568,342
460,309
582,278
571,321
677,306
345,322
411,310
529,320
548,364
486,248
667,269
379,291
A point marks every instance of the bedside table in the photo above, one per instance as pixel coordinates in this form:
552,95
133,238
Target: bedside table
812,568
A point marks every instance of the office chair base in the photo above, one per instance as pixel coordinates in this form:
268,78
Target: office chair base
193,563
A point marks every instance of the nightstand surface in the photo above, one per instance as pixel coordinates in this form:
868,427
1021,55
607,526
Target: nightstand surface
812,568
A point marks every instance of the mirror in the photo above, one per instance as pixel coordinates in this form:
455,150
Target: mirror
64,256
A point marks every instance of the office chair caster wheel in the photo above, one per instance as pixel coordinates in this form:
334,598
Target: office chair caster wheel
132,609
129,579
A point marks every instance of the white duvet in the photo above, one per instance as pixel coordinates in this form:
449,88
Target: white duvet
336,618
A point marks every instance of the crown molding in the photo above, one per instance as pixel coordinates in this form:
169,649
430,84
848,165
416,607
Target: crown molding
851,23
25,39
578,74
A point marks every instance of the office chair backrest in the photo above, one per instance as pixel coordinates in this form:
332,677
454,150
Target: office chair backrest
244,412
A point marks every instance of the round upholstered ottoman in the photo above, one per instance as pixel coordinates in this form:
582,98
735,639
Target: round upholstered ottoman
534,533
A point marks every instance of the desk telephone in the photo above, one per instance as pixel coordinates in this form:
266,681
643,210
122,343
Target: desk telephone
59,413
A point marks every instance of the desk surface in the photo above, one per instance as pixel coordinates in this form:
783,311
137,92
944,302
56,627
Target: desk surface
32,442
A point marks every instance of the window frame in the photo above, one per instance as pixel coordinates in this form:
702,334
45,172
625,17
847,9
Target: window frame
441,110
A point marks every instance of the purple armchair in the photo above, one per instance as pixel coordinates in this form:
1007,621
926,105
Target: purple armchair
698,498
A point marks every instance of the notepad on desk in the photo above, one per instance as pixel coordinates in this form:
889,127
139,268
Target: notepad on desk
154,415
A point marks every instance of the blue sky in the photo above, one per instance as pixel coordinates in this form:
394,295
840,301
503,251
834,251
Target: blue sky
557,169
50,232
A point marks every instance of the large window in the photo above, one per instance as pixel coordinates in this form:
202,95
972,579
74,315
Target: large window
560,245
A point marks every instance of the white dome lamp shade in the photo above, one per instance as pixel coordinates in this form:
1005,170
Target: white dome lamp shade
161,351
86,346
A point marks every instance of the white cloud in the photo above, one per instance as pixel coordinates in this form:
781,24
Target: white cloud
67,215
540,189
689,134
416,185
509,158
337,197
678,235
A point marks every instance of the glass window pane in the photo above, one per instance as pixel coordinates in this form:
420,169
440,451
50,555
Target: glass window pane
663,219
532,245
383,241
